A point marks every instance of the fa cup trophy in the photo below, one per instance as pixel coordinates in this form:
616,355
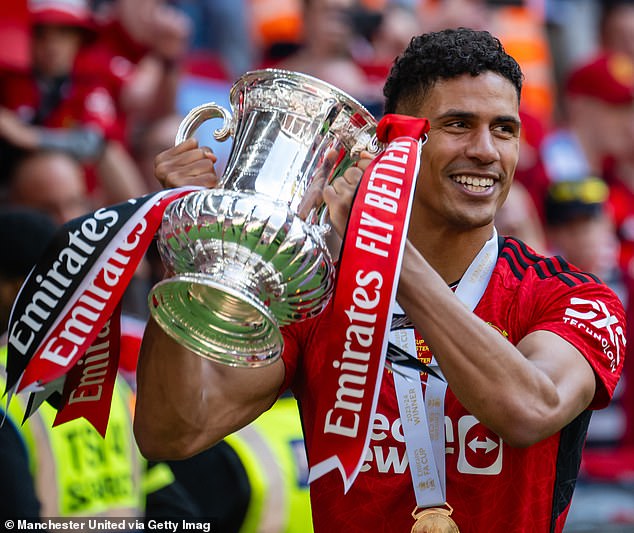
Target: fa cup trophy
252,255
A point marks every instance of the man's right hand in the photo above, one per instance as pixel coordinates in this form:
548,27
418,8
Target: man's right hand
186,164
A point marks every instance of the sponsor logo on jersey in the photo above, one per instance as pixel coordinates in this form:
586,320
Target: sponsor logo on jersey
594,317
479,449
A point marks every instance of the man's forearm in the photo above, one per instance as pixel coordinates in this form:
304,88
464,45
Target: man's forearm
186,403
521,394
85,144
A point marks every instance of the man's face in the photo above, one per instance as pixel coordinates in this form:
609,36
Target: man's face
618,34
53,184
470,157
329,25
617,123
54,48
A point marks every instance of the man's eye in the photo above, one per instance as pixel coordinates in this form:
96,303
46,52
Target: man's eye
506,129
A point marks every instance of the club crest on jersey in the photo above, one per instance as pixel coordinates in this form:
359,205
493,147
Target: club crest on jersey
594,317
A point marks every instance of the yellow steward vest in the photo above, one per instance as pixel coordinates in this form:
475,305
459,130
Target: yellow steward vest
272,452
77,472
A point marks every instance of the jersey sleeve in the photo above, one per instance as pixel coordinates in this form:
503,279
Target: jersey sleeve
591,317
297,336
290,354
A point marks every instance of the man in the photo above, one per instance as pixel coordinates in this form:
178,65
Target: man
53,182
59,102
616,26
50,181
579,227
543,346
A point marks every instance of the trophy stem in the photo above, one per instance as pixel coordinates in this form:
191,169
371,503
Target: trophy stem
219,316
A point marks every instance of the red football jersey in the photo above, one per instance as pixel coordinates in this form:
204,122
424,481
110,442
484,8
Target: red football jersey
85,101
621,204
491,486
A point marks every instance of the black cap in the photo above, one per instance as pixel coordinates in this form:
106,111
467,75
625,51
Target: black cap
573,199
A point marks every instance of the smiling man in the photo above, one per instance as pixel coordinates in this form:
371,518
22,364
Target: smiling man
528,345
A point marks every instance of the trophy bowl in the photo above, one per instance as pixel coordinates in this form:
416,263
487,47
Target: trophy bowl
254,254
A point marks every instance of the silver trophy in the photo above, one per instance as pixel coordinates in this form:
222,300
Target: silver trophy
253,255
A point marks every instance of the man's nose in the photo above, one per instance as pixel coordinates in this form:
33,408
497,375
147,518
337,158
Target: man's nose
482,146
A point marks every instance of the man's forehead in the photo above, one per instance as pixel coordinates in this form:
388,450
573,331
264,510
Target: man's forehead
488,93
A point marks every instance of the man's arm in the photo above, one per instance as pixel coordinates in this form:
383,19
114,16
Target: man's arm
186,403
524,393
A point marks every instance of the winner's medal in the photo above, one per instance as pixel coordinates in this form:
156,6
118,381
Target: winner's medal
434,520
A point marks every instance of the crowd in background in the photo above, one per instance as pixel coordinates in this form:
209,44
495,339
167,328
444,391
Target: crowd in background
91,92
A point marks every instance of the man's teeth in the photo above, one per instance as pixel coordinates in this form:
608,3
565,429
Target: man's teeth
473,183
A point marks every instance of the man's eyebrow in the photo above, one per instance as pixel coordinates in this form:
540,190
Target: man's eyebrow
510,119
465,115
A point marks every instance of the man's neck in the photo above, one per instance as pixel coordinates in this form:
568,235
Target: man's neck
450,252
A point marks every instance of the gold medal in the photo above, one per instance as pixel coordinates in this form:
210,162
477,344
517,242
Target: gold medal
434,520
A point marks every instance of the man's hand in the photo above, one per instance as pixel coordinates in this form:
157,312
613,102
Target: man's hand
339,194
186,164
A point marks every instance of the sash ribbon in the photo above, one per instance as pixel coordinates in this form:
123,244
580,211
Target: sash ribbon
64,328
362,307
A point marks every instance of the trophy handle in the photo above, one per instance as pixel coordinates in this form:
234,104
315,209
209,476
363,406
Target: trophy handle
368,143
199,114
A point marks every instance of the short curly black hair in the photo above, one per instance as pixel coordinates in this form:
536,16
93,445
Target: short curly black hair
444,55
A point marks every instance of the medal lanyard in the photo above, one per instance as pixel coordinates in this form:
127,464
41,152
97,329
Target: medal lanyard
423,416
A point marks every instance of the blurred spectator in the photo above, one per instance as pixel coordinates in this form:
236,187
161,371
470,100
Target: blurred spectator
616,26
52,182
596,123
599,136
326,51
518,217
140,51
54,104
579,227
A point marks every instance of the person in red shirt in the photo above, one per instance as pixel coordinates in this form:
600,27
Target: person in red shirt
55,104
528,345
